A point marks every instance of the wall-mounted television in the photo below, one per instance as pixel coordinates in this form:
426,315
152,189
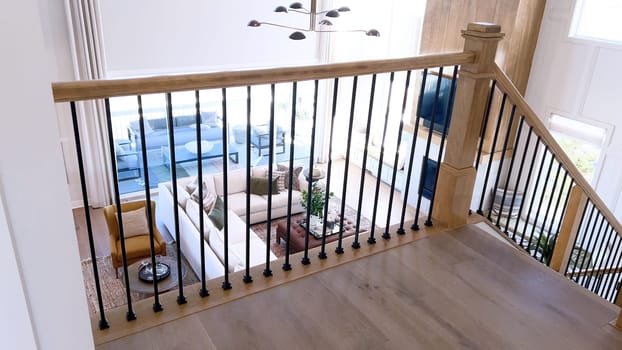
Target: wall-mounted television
444,105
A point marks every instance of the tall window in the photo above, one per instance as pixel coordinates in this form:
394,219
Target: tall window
581,141
597,19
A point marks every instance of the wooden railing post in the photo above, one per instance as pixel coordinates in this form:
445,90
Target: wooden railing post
456,178
569,228
619,322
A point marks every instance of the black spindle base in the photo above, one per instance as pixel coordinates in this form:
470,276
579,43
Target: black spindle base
339,250
129,316
103,324
287,267
322,255
181,300
480,212
157,307
305,261
428,223
371,240
386,235
415,227
203,293
401,231
356,245
247,279
226,285
267,272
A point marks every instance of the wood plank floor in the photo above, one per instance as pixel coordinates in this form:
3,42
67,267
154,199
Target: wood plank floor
455,290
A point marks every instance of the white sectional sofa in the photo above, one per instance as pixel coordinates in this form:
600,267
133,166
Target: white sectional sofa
190,242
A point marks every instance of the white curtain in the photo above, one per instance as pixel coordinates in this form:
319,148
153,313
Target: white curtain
87,49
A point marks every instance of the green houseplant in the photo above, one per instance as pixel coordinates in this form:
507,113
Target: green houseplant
318,200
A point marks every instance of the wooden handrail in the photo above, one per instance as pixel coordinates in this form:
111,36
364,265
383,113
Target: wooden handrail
602,270
506,85
96,89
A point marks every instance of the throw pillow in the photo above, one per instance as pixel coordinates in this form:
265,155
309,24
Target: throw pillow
217,214
135,223
192,185
261,185
295,175
281,178
209,198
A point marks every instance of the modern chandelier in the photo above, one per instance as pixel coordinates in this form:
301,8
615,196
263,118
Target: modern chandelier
321,26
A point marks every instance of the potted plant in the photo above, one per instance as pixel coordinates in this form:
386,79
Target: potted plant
318,200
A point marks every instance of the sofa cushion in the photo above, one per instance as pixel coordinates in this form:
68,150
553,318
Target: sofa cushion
236,182
193,212
185,121
280,200
209,118
236,262
217,214
156,124
135,223
261,185
282,178
191,185
295,175
237,203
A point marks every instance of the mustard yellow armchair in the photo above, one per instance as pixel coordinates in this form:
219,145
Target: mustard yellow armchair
137,246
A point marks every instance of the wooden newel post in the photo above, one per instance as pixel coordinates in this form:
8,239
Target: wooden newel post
456,178
568,230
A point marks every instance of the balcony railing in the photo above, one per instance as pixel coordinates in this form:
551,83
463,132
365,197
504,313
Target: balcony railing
543,202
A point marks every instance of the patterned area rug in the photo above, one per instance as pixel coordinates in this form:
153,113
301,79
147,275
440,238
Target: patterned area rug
261,229
113,289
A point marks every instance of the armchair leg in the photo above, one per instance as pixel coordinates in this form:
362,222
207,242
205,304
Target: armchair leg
116,272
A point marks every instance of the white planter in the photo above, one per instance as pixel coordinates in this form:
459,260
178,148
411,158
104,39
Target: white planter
314,221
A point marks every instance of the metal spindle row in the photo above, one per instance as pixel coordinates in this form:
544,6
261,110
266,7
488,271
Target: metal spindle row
329,128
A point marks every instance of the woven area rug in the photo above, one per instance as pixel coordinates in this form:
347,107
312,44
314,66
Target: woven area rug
113,289
261,229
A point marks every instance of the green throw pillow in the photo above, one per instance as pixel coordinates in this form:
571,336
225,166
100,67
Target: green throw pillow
217,214
260,185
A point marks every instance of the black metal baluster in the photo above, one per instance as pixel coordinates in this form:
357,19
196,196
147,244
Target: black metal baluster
424,168
130,315
614,265
546,213
598,263
546,181
491,157
517,184
533,198
576,238
386,234
305,259
593,242
441,148
526,188
247,272
587,232
346,168
181,299
226,285
483,133
157,307
322,254
400,230
502,159
611,259
292,134
509,175
397,157
203,292
559,197
103,323
370,239
267,272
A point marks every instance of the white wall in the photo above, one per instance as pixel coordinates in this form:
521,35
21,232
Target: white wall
580,79
143,37
34,191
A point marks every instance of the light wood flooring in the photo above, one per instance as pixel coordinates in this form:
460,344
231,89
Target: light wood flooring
454,290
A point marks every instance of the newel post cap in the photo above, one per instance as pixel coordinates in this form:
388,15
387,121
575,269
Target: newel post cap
483,30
